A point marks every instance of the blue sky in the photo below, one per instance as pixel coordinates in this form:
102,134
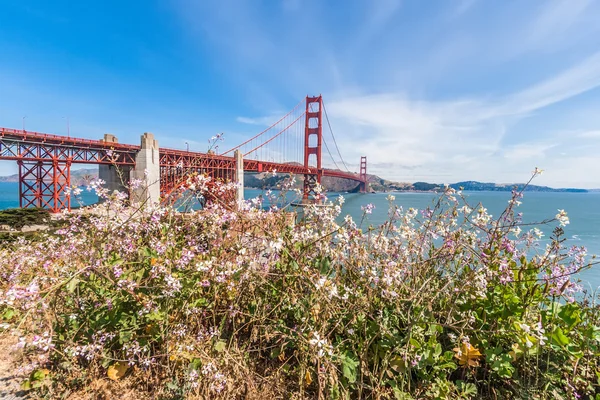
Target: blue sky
432,90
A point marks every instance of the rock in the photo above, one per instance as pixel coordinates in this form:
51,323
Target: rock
34,228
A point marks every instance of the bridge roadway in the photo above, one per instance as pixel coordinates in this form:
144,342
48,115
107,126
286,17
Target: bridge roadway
25,146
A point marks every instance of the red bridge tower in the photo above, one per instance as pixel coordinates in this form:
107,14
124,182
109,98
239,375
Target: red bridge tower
313,140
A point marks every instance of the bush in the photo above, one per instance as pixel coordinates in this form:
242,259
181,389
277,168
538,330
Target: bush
17,218
440,303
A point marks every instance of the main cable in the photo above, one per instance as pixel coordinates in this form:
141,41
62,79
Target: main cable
333,136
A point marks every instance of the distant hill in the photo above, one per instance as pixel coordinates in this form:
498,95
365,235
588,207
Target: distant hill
479,186
377,184
78,176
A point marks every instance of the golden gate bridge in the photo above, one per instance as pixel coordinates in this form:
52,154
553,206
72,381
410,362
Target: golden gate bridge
292,145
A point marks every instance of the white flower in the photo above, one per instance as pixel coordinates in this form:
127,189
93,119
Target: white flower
276,245
516,230
538,233
321,283
321,344
562,218
333,291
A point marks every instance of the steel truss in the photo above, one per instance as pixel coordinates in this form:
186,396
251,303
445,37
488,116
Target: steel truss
44,184
176,167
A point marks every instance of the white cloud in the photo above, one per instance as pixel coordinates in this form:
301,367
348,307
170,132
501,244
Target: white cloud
455,99
555,20
459,136
576,80
590,134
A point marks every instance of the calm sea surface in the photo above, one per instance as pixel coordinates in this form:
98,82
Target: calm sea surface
583,210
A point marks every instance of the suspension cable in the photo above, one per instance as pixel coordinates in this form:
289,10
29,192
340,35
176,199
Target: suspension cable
330,155
282,131
332,135
257,135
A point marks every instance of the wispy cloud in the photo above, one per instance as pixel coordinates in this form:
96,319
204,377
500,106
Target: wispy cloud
590,134
555,20
465,92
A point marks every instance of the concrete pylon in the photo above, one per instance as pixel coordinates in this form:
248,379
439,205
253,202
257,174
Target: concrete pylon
239,177
116,177
147,169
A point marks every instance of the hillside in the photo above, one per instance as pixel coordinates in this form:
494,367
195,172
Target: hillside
474,185
376,183
78,176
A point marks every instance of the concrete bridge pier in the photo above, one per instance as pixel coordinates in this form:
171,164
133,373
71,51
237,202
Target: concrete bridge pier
239,177
116,177
147,169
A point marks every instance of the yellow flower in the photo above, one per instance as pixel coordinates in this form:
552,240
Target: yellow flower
117,371
467,355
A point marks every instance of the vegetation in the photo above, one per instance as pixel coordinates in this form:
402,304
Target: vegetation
17,218
441,303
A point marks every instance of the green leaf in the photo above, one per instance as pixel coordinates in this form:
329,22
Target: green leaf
124,337
559,337
325,265
72,285
196,363
38,375
570,314
438,350
220,346
466,389
155,316
400,395
8,313
349,364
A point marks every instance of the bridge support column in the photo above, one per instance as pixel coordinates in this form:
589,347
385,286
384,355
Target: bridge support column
147,169
239,177
313,139
116,177
364,184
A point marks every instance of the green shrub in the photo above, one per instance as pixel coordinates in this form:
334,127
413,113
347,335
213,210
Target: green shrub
442,303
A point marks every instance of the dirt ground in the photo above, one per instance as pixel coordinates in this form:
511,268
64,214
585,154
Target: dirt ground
9,383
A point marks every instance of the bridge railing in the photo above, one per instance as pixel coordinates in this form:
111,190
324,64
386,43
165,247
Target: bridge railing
48,137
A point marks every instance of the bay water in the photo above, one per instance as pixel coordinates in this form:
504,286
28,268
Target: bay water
583,210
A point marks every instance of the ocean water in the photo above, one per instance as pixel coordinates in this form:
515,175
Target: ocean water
9,196
583,210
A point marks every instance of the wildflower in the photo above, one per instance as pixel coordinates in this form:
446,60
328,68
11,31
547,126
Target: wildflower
321,344
320,283
467,354
516,230
537,171
562,218
506,274
415,360
333,291
368,209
